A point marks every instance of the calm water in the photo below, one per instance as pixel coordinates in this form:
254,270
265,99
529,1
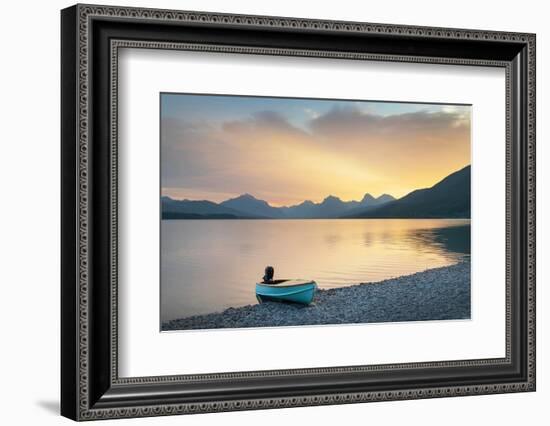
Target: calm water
210,265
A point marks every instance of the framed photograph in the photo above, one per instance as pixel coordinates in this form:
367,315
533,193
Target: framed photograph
263,212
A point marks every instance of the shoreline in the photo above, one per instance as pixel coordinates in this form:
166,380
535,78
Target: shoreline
434,294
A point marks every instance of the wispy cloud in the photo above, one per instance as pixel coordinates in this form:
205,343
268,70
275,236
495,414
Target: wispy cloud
312,113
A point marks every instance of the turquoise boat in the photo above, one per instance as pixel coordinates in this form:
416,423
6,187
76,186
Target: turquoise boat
294,291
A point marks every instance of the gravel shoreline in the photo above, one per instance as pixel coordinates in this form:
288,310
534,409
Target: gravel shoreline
434,294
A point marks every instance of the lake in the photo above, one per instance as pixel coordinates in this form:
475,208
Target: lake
210,265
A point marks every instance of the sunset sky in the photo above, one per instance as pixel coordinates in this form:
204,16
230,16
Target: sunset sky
286,150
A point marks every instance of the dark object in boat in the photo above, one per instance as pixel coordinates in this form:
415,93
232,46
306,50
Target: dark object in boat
269,273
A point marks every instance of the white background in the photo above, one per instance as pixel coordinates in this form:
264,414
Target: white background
29,225
146,352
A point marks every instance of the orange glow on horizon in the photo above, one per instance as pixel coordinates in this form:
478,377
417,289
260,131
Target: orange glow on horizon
344,153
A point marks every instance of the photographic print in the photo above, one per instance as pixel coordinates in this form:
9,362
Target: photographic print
303,212
316,199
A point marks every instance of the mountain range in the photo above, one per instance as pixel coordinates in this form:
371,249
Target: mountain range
203,209
247,206
449,198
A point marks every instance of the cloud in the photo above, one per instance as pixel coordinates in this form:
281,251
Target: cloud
262,122
356,123
311,113
346,151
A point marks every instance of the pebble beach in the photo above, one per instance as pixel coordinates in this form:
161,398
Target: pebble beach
433,294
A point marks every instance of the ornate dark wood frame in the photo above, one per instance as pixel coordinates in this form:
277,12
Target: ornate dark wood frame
91,37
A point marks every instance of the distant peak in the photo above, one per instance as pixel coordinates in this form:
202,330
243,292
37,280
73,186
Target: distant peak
331,201
332,198
386,197
247,195
246,199
367,197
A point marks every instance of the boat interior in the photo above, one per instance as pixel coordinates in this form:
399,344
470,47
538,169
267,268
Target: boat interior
274,282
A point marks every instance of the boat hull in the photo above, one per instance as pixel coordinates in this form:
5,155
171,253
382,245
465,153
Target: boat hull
292,291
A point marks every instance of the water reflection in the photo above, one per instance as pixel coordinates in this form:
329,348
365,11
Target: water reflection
210,265
452,239
332,239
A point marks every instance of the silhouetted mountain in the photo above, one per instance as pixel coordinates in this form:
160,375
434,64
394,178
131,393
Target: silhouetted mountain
191,209
175,215
247,204
449,198
383,199
367,200
248,207
302,210
332,206
367,203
